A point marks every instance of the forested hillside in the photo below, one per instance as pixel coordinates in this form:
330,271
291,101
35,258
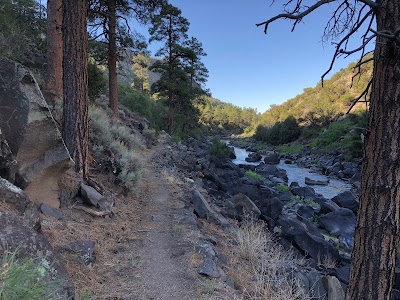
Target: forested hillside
321,104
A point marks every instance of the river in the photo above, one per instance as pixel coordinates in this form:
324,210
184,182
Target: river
298,174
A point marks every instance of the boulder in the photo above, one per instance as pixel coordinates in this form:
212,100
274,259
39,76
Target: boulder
339,222
333,288
306,211
310,181
317,290
50,211
305,192
32,244
90,195
203,209
306,237
241,205
271,208
32,134
272,159
84,250
348,200
267,170
328,207
253,157
13,195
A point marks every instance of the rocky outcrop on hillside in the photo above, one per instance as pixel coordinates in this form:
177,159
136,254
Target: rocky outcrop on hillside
33,158
39,156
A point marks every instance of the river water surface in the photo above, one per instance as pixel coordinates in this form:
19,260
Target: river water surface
298,174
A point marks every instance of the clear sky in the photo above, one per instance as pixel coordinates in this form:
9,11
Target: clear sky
248,68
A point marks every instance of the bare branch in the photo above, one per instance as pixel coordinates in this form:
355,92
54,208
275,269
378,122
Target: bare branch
370,3
363,94
387,34
341,51
345,40
297,16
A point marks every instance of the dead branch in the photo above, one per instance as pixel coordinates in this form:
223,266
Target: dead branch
92,212
294,16
363,94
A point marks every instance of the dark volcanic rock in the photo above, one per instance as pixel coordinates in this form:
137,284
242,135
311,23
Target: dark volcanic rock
348,200
90,195
339,222
13,195
253,157
241,205
272,159
34,245
310,181
306,237
84,249
271,207
203,209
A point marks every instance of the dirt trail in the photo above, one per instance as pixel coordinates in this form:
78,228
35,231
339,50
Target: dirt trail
144,251
164,252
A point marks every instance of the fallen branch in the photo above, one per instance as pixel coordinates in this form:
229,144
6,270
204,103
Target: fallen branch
92,212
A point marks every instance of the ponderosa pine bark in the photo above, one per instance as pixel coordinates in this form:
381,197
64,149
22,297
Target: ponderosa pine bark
112,59
377,229
75,129
54,85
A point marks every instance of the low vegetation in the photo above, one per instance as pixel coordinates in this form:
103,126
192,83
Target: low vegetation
262,269
21,278
346,135
280,133
116,141
253,175
219,149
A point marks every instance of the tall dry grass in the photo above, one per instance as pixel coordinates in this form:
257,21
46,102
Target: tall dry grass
261,268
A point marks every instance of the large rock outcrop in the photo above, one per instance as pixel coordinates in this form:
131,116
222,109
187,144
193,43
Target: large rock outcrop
32,134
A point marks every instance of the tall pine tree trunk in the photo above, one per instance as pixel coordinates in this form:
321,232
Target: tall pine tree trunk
54,85
112,59
377,229
75,84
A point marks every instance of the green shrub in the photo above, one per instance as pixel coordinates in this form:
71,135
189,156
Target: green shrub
21,278
141,103
344,134
281,133
282,188
118,139
96,80
254,175
22,26
219,149
294,149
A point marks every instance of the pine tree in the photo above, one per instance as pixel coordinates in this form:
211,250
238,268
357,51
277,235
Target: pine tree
75,129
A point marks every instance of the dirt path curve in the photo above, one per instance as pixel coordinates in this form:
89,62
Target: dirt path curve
164,253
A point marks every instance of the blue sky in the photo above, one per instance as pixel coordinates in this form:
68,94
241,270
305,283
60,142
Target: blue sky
248,68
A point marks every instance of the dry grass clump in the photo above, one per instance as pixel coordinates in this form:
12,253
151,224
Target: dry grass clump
114,137
262,269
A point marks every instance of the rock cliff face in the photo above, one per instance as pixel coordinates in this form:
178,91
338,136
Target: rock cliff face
32,135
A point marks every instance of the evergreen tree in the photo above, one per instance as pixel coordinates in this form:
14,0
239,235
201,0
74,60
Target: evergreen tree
53,85
182,72
141,64
75,129
169,27
110,17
